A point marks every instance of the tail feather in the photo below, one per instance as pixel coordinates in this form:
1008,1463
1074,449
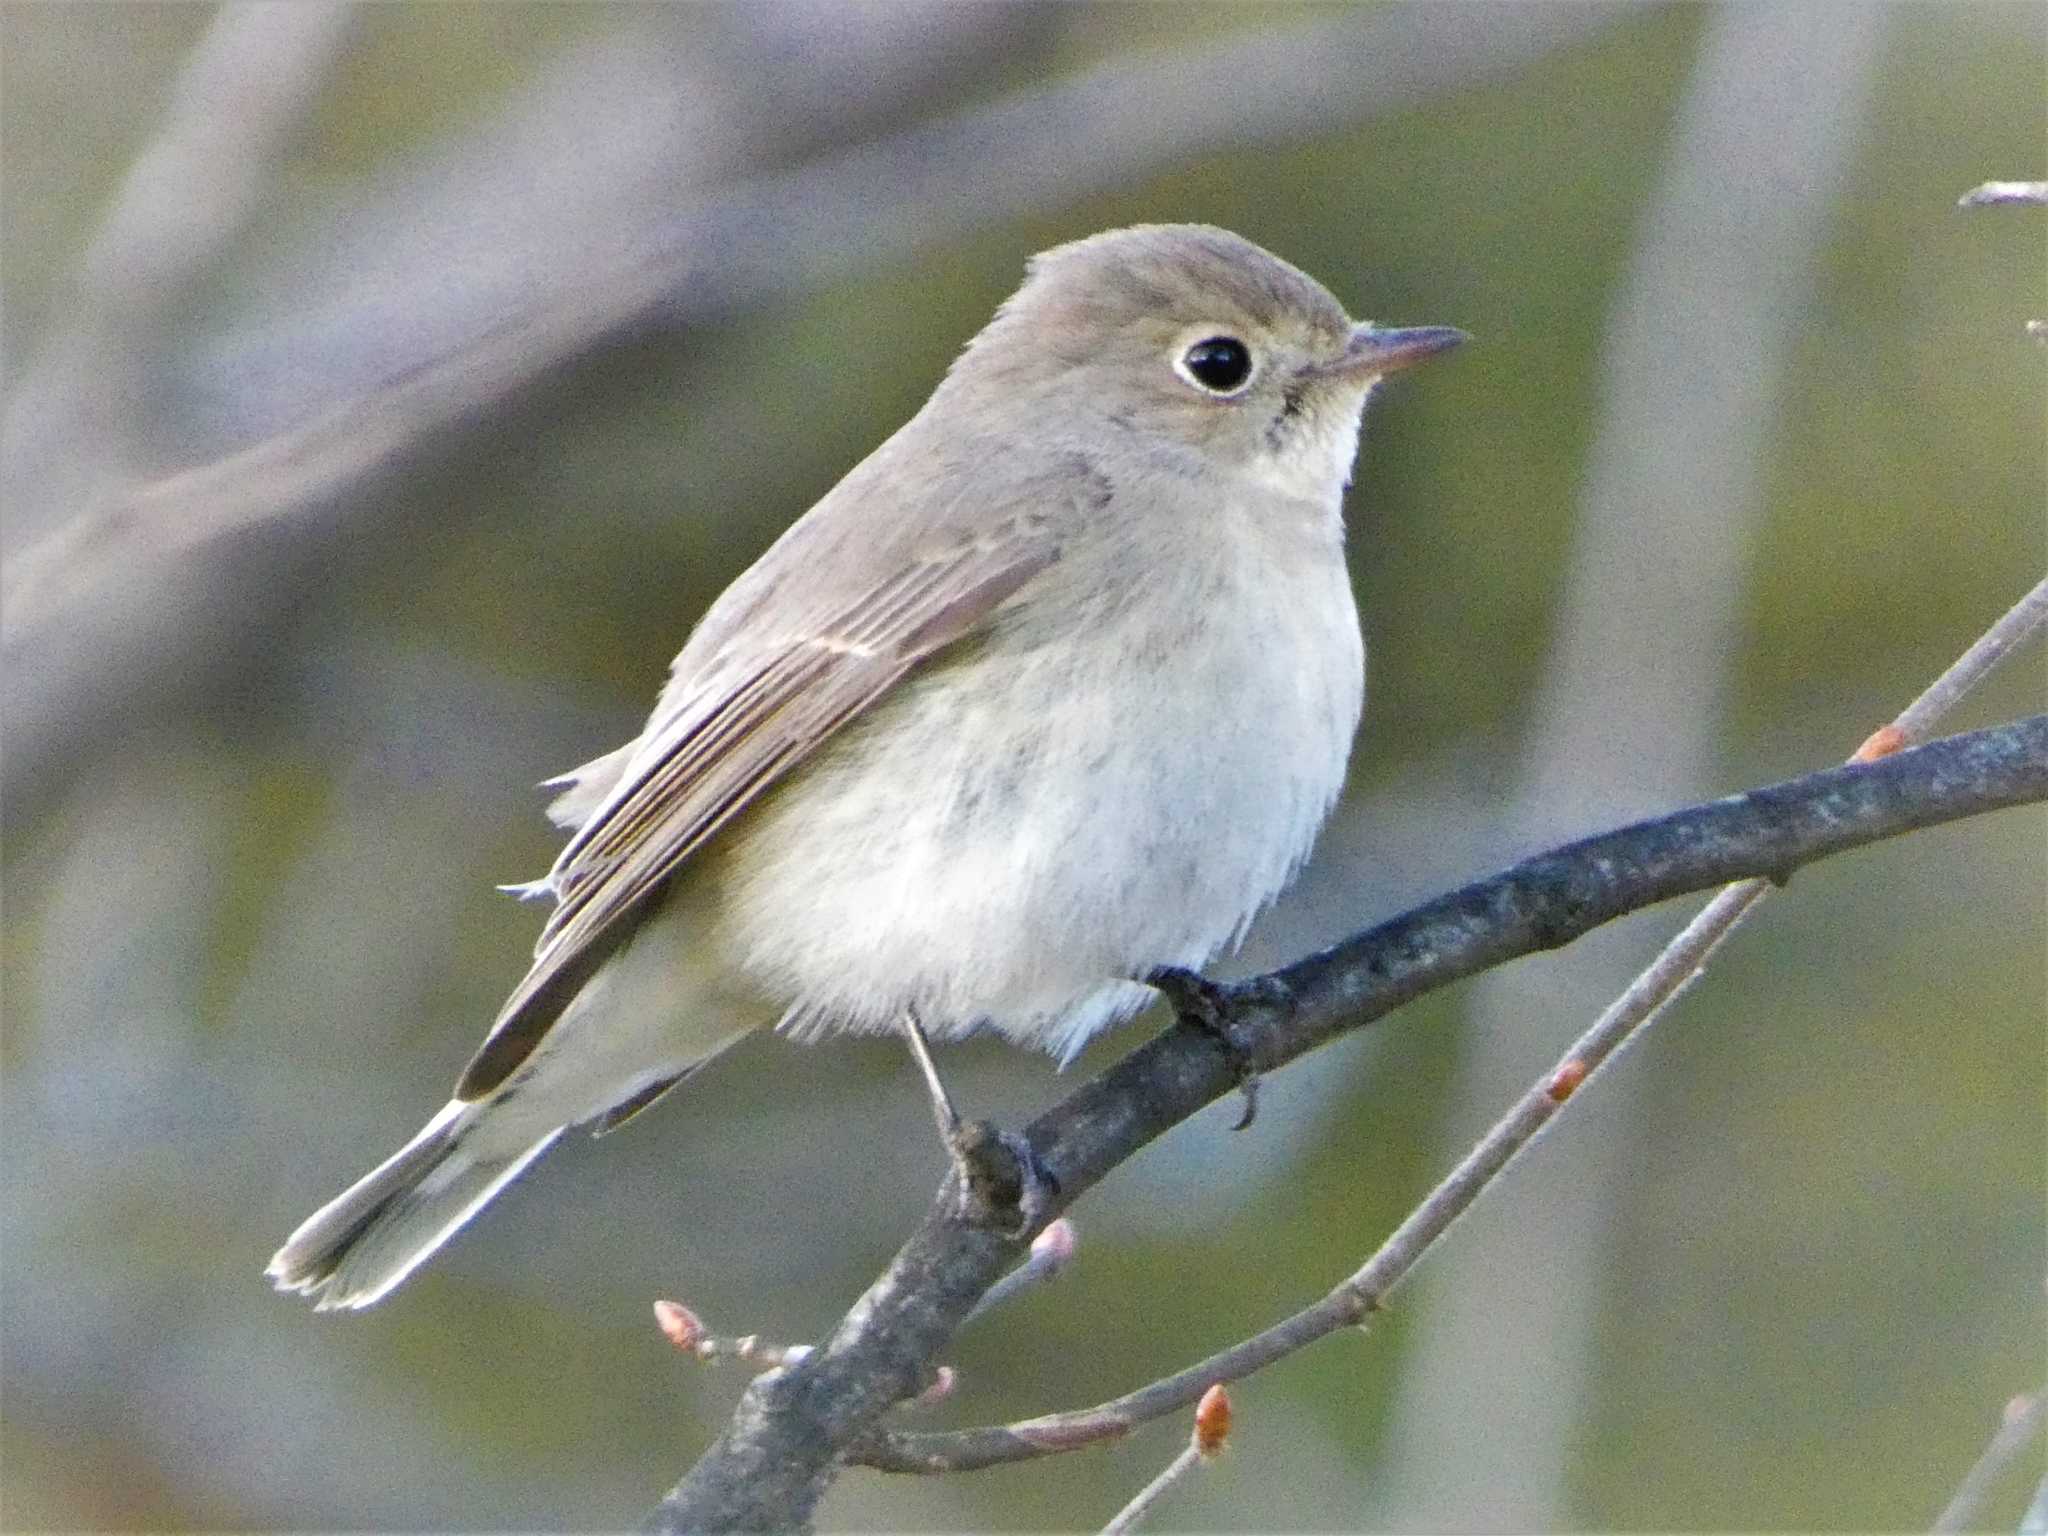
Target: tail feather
353,1250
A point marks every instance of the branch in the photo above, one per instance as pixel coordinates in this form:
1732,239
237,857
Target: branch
1998,194
777,1456
241,102
1205,1444
2017,1426
1995,193
1639,1003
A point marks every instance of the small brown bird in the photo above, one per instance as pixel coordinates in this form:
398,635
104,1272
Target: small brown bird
1054,689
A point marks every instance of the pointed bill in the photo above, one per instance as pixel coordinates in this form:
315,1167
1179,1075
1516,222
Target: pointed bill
1374,352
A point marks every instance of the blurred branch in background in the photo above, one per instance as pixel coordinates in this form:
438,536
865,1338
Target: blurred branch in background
1993,194
199,556
459,304
2017,1429
1722,274
87,415
793,1426
2003,194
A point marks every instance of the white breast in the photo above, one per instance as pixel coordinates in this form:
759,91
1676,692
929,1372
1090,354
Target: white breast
1004,838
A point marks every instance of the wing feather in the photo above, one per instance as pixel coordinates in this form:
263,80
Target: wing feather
715,747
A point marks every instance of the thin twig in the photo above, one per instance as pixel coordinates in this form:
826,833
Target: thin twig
1051,1251
2021,620
1682,958
691,1336
683,1328
1133,1514
2035,1521
1996,193
2017,1427
1205,1444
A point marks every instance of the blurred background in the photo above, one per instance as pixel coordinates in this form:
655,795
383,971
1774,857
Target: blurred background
388,389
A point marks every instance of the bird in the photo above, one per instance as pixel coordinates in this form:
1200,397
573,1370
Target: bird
1050,694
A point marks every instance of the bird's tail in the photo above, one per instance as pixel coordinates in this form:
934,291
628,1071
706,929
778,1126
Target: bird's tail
355,1248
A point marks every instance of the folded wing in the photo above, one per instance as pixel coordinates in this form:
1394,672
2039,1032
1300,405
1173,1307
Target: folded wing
731,725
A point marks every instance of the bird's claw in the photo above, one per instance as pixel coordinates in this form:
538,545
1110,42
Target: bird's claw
1202,1005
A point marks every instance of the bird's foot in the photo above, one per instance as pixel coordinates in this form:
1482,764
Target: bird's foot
1202,1005
1003,1183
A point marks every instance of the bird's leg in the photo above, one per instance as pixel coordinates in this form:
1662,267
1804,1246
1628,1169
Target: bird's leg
943,1112
1200,1004
998,1172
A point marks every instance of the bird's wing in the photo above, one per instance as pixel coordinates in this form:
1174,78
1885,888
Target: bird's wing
732,724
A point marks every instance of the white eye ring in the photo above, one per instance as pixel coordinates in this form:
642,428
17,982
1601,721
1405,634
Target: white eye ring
1217,363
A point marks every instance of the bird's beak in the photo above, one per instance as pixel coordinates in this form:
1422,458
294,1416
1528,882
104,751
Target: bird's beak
1372,352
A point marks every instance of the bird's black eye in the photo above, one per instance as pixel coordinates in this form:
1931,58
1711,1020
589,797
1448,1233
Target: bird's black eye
1219,364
